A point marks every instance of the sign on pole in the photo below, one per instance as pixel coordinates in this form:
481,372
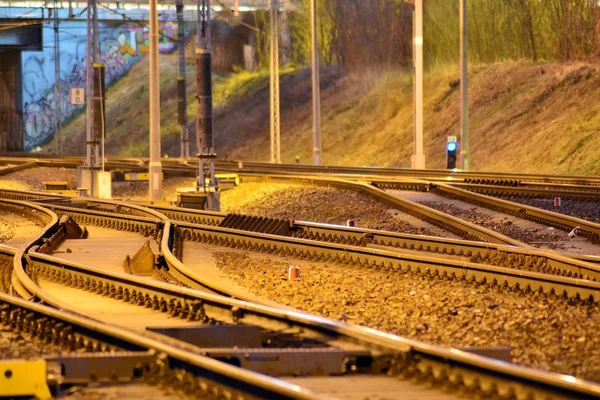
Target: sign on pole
77,96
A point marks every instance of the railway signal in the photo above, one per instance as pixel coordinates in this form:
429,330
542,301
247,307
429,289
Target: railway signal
451,150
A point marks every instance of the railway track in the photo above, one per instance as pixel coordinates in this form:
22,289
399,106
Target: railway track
468,251
589,231
526,259
175,371
184,273
115,211
178,166
463,191
39,265
88,348
368,256
340,244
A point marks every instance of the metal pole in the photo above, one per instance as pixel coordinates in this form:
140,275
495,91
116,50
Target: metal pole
274,86
203,72
155,167
57,84
206,179
464,90
315,85
181,85
418,157
89,76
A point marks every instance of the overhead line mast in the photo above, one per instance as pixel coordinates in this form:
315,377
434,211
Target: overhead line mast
316,94
181,86
274,84
206,180
155,166
57,84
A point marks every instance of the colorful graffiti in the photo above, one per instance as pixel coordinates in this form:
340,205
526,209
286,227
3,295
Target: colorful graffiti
121,45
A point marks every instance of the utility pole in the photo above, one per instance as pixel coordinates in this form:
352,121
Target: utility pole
206,180
92,145
418,156
181,85
464,91
274,86
57,84
155,167
315,85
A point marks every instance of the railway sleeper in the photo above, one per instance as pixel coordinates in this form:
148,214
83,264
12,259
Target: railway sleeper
488,256
145,227
273,226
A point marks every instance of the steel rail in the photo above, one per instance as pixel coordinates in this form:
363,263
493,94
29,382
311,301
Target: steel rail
345,171
19,167
43,215
464,229
256,167
146,226
479,252
589,230
488,253
30,195
483,253
566,192
34,212
519,189
111,206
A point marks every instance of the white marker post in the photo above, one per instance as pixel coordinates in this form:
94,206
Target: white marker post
78,96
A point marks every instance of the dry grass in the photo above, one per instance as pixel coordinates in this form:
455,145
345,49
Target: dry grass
523,117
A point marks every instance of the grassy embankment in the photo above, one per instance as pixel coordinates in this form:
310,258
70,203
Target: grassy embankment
542,118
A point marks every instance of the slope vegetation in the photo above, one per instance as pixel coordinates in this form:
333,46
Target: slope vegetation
540,118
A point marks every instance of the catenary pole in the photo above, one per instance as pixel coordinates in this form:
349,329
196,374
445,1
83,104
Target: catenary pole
57,84
418,156
316,97
274,83
465,155
89,77
182,86
206,178
92,146
155,167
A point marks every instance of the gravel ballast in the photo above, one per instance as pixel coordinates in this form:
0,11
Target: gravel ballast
549,334
7,230
588,210
552,239
321,204
34,178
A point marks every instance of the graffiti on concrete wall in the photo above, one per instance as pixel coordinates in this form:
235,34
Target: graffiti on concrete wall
121,45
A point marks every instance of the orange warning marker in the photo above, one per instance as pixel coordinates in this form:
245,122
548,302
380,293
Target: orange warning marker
293,272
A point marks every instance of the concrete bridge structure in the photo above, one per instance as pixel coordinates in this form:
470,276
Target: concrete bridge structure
27,56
